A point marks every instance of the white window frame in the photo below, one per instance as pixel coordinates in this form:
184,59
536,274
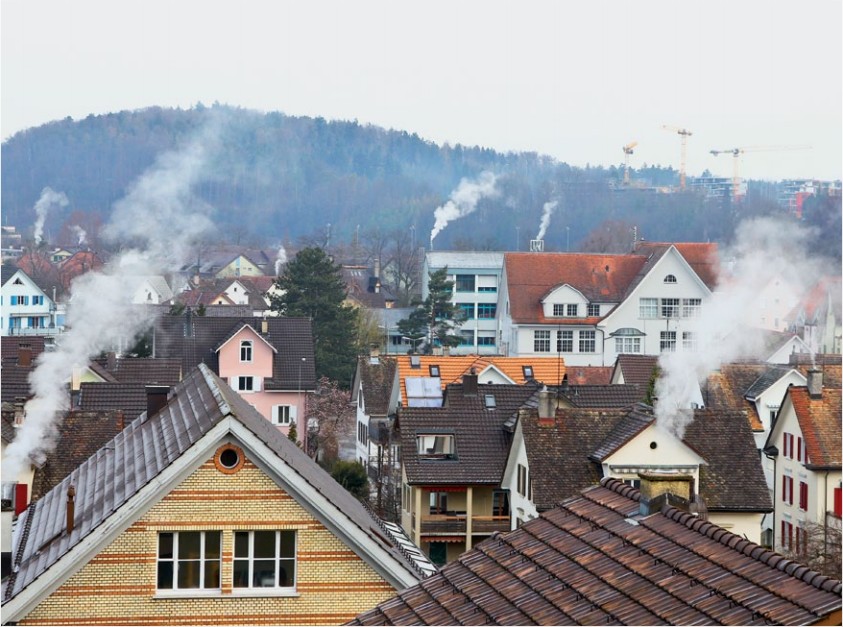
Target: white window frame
435,444
240,384
670,307
176,562
247,349
689,341
627,345
284,415
667,342
278,560
564,341
541,341
691,307
593,310
586,339
648,308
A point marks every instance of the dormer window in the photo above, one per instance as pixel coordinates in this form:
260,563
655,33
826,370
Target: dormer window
565,310
670,278
435,446
246,351
434,371
415,361
528,372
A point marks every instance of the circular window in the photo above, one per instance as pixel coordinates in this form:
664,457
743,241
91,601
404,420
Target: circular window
653,445
229,459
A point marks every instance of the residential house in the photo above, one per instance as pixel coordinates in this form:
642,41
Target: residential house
776,347
269,361
817,318
203,513
364,287
635,369
394,342
590,308
453,458
26,308
240,265
805,446
557,452
477,278
151,290
78,264
615,555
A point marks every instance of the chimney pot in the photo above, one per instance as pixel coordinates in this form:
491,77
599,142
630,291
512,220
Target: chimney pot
659,489
815,383
71,507
156,399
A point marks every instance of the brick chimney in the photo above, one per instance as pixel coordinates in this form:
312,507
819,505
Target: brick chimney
156,398
469,383
111,361
24,355
660,489
815,383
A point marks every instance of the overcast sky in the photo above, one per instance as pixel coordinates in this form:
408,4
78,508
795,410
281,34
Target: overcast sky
574,80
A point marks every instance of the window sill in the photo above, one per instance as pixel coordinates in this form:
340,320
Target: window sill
218,594
264,592
187,594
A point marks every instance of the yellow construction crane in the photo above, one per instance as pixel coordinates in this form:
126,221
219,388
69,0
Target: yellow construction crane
737,152
627,150
684,134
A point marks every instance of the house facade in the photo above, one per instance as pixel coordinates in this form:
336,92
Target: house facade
804,444
590,308
26,308
228,523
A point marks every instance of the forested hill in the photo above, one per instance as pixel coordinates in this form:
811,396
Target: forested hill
280,177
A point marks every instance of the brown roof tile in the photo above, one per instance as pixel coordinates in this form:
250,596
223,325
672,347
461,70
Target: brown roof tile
377,378
726,389
597,396
11,344
820,422
637,369
595,560
589,375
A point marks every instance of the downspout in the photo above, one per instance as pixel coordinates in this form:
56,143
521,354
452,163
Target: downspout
771,452
825,514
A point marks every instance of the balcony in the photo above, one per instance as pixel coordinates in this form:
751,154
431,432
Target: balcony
456,524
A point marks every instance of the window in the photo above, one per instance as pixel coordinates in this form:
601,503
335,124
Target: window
803,496
627,345
667,343
246,350
558,310
689,341
648,307
466,339
691,307
523,481
34,322
486,311
436,446
670,278
527,372
487,283
433,370
571,310
670,307
564,341
464,282
189,560
587,343
565,310
264,559
467,310
283,414
438,502
593,310
787,447
245,384
362,432
490,401
787,534
541,341
37,300
485,340
787,490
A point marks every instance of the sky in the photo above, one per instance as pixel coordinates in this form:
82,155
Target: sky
576,80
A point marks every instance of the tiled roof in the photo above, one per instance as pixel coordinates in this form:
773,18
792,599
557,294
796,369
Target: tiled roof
15,381
377,380
11,343
38,267
138,454
831,372
701,256
480,441
292,338
148,370
819,420
600,278
127,397
589,375
727,387
8,424
637,369
596,396
78,264
633,423
548,370
81,434
595,560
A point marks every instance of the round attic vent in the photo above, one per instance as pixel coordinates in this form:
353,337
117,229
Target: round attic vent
229,459
653,445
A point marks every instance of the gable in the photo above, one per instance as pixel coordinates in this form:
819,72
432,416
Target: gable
563,294
492,374
246,332
123,574
669,452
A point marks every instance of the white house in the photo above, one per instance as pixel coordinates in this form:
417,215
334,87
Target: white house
151,290
805,445
26,308
590,308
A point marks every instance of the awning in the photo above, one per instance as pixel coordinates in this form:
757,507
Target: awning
627,332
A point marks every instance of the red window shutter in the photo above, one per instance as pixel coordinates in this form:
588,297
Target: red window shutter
21,494
799,449
784,490
803,495
784,446
838,501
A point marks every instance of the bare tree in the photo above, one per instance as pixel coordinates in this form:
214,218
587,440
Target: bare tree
818,548
330,418
610,236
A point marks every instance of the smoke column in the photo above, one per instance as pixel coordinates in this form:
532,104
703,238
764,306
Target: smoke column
765,250
81,235
48,199
162,217
463,201
280,259
547,211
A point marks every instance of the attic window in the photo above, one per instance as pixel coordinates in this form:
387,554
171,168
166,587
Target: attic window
670,278
528,372
435,446
434,371
490,401
415,361
229,459
18,282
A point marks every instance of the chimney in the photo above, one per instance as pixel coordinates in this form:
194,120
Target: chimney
24,355
156,398
815,383
469,383
660,489
446,351
188,322
111,361
264,327
71,508
20,414
378,268
547,408
75,379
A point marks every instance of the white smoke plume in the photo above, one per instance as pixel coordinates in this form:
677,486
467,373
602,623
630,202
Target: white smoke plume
161,216
280,259
547,211
48,199
766,250
81,235
463,201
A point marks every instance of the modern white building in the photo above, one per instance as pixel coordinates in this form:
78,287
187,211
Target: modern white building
26,308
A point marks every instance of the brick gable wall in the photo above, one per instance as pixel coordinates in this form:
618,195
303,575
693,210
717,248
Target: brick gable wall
118,586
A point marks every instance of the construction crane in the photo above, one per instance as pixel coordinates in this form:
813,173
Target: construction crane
737,152
684,134
627,150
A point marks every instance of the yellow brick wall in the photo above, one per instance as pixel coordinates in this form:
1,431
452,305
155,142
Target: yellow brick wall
117,587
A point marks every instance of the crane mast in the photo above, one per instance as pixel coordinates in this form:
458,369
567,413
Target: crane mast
684,134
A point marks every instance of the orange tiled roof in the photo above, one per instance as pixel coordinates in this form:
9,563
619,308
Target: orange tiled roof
548,370
701,256
820,422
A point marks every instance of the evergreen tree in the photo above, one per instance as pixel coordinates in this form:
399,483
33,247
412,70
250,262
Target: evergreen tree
437,318
312,287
